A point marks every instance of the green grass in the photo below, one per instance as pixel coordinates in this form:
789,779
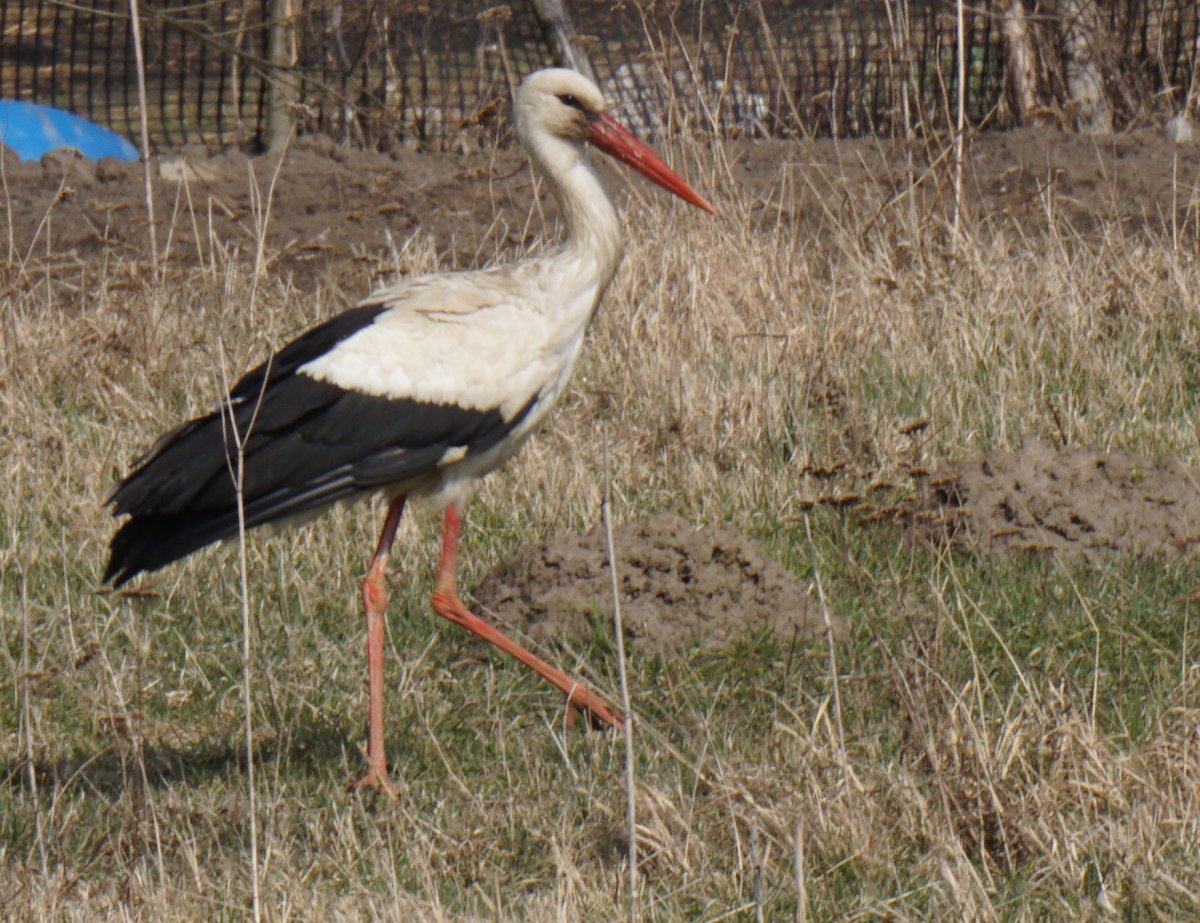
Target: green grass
966,678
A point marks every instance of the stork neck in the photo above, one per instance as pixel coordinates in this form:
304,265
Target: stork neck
593,224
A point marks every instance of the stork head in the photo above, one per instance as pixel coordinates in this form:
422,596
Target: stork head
563,104
559,102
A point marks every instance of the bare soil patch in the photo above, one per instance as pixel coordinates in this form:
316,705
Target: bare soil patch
1071,502
335,205
681,588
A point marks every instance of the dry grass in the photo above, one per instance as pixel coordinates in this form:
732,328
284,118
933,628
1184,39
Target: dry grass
1019,737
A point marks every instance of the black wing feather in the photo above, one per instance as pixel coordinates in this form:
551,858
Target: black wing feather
307,444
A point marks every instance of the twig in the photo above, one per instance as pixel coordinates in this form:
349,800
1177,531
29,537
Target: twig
12,231
780,74
756,866
143,803
147,166
262,216
901,36
42,223
630,788
27,721
801,881
243,574
960,37
833,671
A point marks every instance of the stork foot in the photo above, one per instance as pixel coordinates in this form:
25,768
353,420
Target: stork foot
579,696
379,780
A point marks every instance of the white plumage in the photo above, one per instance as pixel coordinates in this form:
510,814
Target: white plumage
504,338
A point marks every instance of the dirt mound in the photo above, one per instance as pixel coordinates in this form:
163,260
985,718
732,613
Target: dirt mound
1068,502
681,588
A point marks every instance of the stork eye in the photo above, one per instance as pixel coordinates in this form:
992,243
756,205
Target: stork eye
568,99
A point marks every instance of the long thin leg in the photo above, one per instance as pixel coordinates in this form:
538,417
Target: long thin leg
375,599
447,604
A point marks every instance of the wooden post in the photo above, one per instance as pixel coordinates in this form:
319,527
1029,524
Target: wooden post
560,34
284,92
1019,60
1082,48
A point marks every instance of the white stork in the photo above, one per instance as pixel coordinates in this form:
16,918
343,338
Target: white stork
420,390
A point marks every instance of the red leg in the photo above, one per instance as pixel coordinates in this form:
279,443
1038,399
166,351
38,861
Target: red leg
447,604
375,598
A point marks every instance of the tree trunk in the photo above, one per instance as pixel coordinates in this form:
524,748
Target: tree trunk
283,53
1082,47
1018,58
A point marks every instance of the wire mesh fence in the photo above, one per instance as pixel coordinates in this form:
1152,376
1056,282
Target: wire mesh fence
204,65
375,72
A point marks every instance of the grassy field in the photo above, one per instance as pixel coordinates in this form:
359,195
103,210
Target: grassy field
998,740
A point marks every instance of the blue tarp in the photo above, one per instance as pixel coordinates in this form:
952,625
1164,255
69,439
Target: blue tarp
32,130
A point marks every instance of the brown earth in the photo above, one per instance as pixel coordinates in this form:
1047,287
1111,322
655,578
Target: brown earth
681,588
333,204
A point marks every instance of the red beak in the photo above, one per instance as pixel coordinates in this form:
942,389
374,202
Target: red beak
619,142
